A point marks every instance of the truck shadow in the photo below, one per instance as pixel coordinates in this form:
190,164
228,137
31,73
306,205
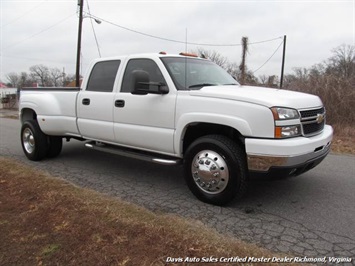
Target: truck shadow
160,178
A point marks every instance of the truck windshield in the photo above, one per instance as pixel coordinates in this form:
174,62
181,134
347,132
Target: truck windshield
193,73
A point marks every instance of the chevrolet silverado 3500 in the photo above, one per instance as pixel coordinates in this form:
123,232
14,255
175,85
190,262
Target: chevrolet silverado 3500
172,109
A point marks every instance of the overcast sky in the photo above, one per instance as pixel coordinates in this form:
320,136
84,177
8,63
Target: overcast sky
45,31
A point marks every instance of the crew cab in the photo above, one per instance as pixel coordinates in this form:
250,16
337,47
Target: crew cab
172,109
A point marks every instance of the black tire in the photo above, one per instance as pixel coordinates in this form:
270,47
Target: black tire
33,141
55,145
216,169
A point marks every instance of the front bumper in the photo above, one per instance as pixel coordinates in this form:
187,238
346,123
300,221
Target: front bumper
292,156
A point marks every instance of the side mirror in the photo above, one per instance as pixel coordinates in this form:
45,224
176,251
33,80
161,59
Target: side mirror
142,83
140,79
163,88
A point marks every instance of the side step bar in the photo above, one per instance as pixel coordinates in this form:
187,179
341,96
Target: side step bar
149,157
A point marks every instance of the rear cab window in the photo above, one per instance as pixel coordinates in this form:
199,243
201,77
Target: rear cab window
103,75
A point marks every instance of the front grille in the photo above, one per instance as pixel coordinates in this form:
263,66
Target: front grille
309,129
310,113
312,121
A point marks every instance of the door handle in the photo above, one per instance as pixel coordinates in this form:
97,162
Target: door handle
119,103
86,101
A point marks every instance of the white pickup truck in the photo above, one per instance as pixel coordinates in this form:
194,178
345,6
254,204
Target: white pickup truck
172,109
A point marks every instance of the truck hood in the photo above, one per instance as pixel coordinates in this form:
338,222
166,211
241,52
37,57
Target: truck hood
259,95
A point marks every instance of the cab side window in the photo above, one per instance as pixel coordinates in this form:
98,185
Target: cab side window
103,75
146,65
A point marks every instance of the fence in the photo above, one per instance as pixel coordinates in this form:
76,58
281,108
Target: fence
8,98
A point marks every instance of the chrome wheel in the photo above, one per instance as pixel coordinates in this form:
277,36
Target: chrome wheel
210,172
28,140
33,141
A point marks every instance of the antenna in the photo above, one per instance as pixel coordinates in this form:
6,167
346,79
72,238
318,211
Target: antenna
186,40
186,58
283,63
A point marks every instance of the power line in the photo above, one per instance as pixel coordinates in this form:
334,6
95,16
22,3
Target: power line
178,41
93,29
24,14
34,35
33,59
269,58
270,40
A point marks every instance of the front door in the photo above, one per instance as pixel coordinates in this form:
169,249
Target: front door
145,121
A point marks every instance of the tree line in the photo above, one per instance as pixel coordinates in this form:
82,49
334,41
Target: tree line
341,64
333,80
39,75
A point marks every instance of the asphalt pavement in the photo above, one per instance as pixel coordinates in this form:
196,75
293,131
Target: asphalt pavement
310,215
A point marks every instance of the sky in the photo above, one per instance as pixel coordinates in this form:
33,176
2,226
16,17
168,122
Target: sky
45,31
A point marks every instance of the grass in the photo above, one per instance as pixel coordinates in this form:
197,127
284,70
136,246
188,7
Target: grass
343,141
47,221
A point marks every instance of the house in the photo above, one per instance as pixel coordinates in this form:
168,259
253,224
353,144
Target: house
72,83
2,85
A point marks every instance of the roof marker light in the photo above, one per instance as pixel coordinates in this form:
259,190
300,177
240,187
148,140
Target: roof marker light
189,54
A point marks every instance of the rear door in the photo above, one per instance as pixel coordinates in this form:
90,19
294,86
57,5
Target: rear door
95,103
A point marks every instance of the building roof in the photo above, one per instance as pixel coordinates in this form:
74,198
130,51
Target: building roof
73,83
2,85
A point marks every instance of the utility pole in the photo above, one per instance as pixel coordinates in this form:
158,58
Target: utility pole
63,76
242,66
283,63
77,74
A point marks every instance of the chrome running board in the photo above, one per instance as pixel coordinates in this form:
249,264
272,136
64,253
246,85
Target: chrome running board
144,156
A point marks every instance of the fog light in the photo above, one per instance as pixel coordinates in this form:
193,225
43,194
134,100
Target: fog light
293,171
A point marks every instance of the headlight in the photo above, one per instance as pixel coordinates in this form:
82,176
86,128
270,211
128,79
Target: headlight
287,123
287,131
284,113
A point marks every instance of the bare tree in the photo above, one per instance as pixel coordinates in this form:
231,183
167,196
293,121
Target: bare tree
342,63
233,70
249,78
41,74
56,77
14,79
263,79
270,81
214,56
333,81
25,80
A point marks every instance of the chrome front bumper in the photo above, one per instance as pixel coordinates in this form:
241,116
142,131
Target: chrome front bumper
316,147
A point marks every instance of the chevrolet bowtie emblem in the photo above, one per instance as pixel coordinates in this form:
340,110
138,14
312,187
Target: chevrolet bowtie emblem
320,118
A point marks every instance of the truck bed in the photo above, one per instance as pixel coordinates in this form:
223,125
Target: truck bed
55,108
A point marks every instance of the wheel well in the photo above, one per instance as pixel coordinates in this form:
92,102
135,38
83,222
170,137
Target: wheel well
197,130
28,114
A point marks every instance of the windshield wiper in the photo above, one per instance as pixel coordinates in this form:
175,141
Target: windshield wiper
201,85
231,84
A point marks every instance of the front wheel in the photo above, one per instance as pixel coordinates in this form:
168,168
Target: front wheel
33,141
216,169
